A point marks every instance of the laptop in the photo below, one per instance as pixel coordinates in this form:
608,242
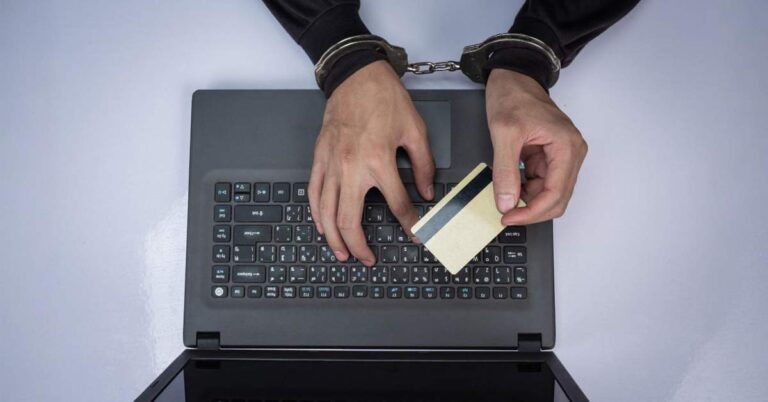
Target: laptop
269,314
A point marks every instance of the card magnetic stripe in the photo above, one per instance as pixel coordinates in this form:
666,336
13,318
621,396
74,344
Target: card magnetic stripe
455,205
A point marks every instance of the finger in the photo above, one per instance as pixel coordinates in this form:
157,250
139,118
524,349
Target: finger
417,147
329,200
551,201
314,190
506,173
348,221
389,183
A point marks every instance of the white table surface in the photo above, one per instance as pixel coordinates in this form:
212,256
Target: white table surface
661,261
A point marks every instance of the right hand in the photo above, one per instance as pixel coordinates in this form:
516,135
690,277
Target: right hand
366,119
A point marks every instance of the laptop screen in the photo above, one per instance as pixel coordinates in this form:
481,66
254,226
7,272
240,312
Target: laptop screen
266,380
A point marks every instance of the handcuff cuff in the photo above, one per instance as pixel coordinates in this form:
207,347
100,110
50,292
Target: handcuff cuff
473,62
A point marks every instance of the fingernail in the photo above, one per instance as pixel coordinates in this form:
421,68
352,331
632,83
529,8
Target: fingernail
340,256
505,202
431,191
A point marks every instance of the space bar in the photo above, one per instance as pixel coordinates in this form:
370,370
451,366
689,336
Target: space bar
258,213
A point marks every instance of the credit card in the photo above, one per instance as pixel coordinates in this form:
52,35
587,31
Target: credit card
463,222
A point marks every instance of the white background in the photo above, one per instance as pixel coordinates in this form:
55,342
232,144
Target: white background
661,261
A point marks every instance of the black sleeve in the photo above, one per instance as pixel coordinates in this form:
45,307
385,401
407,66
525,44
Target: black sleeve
565,25
317,25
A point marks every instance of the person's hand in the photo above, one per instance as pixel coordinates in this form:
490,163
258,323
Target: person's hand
525,124
366,119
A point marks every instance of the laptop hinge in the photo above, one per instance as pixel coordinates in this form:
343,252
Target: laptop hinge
529,342
208,340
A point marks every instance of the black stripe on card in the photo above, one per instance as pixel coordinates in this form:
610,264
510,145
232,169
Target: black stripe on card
455,205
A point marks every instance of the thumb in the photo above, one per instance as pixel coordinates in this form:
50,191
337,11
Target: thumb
417,147
506,174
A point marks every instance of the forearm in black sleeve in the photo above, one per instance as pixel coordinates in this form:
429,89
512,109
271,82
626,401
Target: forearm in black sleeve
566,26
317,25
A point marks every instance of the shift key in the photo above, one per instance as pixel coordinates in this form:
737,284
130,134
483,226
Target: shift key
258,213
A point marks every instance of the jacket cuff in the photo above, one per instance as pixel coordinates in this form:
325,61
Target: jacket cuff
348,65
528,61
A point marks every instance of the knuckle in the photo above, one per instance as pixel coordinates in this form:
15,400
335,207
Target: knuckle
346,222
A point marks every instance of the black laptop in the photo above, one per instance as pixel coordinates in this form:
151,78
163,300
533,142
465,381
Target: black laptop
270,315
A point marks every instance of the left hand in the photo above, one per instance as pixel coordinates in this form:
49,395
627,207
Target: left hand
525,124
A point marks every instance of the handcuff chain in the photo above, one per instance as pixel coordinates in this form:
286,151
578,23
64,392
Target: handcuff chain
429,67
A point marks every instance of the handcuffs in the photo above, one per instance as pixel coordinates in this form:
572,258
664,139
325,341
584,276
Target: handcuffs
473,62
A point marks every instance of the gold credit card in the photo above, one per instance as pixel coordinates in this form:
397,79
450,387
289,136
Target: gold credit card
463,222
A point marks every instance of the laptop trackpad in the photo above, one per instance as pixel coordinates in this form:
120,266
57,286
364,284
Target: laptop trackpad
437,117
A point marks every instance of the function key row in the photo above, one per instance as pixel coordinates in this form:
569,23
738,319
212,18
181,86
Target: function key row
260,192
373,292
418,275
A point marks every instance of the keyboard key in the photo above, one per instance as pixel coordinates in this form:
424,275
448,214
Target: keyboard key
502,275
419,275
303,233
277,274
221,233
300,192
419,211
426,256
368,230
324,292
492,255
341,292
409,254
306,292
513,235
244,254
252,234
400,275
360,291
358,274
297,274
308,254
219,291
267,253
258,213
223,192
271,292
222,213
338,274
249,274
379,274
385,234
241,187
220,253
242,197
374,213
283,233
464,292
518,293
326,254
462,278
377,292
394,292
447,292
237,292
294,213
281,192
514,255
439,192
429,292
286,254
261,192
521,275
391,218
318,274
440,275
482,292
253,292
389,254
500,292
481,275
411,292
220,274
320,238
401,236
413,192
308,213
289,292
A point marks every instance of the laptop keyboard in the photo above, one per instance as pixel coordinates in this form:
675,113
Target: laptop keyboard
265,246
